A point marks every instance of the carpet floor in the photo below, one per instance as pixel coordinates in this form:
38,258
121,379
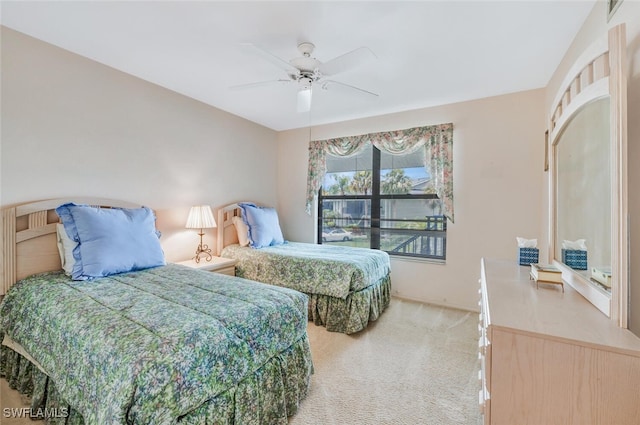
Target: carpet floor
416,365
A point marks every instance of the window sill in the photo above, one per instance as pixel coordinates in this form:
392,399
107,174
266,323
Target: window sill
418,260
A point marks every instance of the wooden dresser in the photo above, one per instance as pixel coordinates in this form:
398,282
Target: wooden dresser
549,357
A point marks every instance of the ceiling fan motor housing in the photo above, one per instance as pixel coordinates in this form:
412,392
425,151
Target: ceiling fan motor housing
305,63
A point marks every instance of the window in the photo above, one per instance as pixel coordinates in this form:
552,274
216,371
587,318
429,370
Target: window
377,200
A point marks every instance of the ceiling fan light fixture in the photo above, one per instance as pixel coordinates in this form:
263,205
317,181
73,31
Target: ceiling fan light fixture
304,100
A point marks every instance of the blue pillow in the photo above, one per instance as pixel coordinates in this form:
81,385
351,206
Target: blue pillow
111,240
264,227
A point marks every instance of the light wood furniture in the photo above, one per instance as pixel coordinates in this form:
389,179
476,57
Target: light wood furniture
227,234
29,237
549,357
217,264
600,72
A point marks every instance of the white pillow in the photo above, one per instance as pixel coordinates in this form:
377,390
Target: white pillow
242,229
65,248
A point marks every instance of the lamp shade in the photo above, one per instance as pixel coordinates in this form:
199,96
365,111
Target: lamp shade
200,217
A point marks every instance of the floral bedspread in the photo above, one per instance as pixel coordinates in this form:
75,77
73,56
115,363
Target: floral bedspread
328,270
148,347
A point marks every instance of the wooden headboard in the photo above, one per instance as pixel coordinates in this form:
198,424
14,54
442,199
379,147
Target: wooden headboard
29,237
227,234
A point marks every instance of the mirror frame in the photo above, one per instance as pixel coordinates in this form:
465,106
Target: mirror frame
599,72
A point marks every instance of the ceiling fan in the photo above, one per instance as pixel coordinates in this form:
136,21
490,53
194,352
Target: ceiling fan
308,72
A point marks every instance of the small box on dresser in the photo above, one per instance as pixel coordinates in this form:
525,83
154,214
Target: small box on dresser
575,258
527,256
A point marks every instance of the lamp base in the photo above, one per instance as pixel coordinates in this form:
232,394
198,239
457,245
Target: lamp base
203,249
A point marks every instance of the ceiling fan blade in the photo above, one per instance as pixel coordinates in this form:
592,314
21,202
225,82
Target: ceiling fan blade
280,63
347,61
326,84
259,84
304,100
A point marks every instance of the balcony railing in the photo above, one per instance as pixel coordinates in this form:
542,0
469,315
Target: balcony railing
432,246
427,241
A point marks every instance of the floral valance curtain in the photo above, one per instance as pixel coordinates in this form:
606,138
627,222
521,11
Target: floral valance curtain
435,140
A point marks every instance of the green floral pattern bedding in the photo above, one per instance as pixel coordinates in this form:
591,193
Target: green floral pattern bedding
154,346
335,271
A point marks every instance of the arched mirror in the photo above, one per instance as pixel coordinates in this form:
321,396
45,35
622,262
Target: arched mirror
588,190
583,194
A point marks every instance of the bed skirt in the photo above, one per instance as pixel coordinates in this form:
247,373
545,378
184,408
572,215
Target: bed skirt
268,396
353,313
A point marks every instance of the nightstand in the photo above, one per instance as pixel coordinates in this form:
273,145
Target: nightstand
217,264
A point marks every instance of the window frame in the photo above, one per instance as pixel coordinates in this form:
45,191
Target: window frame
375,219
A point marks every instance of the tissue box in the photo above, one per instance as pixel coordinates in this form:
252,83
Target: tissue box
574,258
526,256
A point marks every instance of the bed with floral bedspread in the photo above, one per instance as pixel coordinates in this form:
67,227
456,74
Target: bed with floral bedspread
160,346
347,287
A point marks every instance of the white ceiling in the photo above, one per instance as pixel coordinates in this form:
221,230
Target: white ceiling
428,53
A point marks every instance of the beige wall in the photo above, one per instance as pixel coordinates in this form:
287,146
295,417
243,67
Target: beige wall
74,127
594,27
498,188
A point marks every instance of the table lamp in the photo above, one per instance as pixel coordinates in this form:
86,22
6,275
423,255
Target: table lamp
201,217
